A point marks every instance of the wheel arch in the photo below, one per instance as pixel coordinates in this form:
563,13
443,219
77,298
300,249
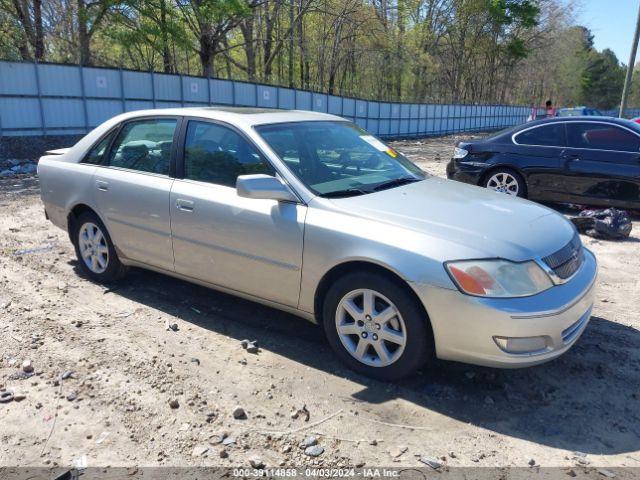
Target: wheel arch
77,210
351,266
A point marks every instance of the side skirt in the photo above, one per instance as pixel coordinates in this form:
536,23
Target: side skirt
279,306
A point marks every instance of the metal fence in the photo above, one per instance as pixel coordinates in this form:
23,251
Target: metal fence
52,99
628,113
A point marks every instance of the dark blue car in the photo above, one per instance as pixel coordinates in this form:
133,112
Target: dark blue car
584,160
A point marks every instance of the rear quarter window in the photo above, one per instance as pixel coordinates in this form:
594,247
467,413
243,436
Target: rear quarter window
552,135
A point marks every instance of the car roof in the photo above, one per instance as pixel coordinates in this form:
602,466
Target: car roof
245,115
577,118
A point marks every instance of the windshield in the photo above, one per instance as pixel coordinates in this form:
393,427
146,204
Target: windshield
334,158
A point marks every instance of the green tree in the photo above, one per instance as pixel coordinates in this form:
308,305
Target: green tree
602,80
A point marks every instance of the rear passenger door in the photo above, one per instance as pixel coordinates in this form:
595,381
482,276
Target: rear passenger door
539,156
602,164
132,188
248,245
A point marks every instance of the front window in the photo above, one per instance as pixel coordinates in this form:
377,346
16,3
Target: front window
602,136
216,154
335,159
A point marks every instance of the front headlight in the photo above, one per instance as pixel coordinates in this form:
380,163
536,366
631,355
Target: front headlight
498,278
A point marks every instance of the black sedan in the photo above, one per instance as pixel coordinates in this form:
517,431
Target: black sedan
584,160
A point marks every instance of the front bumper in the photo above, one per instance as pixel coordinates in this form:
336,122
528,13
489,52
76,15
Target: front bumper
464,326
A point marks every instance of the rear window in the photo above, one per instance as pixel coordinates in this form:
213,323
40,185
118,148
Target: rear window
552,135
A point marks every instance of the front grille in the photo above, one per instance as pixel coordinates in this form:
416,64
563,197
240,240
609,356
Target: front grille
566,261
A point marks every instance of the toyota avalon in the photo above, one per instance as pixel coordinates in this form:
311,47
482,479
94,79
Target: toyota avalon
308,213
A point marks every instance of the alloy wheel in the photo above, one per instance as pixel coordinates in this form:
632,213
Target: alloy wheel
370,328
504,182
93,247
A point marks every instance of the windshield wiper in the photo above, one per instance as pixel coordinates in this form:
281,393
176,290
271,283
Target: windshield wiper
396,182
347,192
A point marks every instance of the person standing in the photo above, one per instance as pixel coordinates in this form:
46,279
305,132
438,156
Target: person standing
550,109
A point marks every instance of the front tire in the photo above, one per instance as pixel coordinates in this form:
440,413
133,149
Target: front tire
376,327
95,251
506,180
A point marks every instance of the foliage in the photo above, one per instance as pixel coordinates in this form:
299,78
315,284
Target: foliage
471,51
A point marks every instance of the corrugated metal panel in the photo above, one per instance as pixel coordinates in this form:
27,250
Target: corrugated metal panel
137,85
221,92
138,105
303,100
63,112
245,94
100,82
167,87
99,111
60,80
286,98
349,107
20,113
267,96
335,105
108,91
319,102
17,79
194,89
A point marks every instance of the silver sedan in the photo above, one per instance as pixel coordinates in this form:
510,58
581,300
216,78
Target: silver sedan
308,213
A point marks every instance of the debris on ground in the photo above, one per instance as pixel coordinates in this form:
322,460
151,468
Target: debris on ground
432,462
251,346
607,224
239,413
310,441
171,326
302,412
314,451
27,366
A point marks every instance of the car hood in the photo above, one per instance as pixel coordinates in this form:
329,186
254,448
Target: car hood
489,224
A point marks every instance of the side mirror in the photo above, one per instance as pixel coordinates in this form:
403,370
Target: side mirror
264,187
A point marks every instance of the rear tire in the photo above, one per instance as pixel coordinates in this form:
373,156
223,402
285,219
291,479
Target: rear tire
95,251
376,327
505,180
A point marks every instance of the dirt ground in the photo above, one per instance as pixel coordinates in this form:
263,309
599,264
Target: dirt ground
106,369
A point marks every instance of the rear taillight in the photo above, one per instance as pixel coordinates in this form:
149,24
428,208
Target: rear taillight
460,153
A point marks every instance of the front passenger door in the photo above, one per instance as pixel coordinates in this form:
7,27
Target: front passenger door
247,245
602,164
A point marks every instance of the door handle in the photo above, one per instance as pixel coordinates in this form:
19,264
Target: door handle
102,185
185,205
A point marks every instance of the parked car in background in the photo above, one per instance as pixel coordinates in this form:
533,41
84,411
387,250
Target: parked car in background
584,160
308,213
636,120
578,112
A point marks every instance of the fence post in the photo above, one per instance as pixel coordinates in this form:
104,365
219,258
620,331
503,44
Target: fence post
153,88
122,99
233,93
84,99
44,128
181,90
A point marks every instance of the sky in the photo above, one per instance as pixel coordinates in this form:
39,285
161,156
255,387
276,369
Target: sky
612,23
